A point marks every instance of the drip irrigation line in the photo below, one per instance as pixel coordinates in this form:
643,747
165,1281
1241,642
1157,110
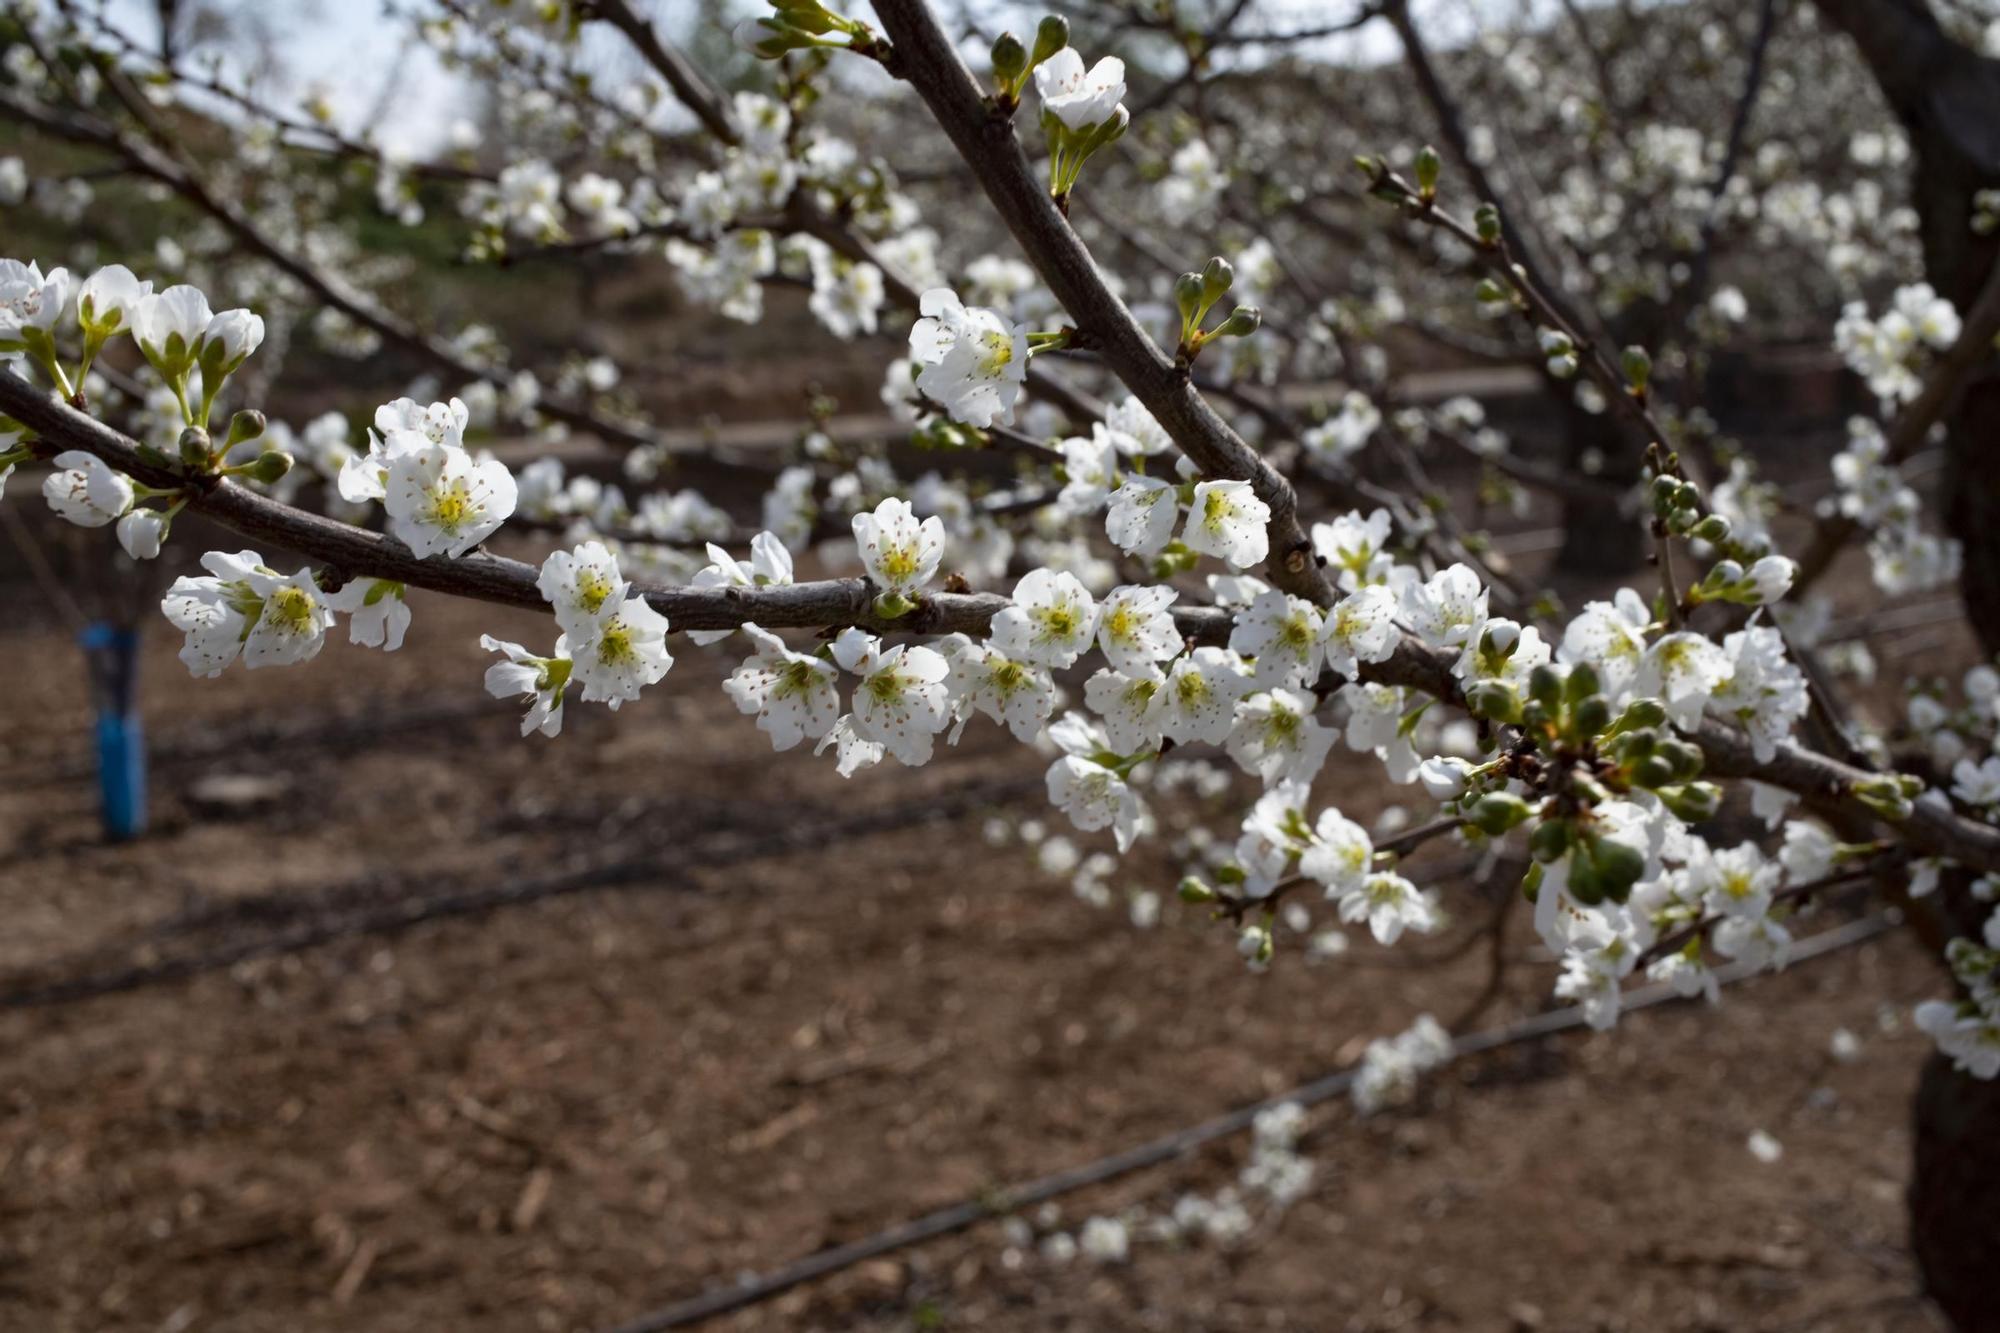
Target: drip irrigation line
732,847
199,743
958,1217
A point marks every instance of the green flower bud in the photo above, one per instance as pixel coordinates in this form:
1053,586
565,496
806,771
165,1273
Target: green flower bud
1684,756
1495,700
1496,812
1714,529
246,425
1694,801
1429,164
1582,682
1655,770
1549,840
1487,220
1618,866
1187,296
1642,713
1490,292
1638,367
270,466
195,448
1010,61
1545,686
1051,36
1217,276
1591,716
1242,322
1192,890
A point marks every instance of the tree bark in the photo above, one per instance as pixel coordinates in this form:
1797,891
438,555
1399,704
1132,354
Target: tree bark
1948,100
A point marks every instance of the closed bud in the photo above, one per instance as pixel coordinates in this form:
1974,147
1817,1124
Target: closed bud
270,466
245,425
1713,529
1549,840
1638,367
1619,865
1487,220
1490,292
1429,164
195,447
1051,36
1242,322
1010,61
1192,890
1685,756
1582,682
1494,700
1545,685
1681,521
1499,639
1665,490
768,38
1654,770
1187,296
1496,812
1632,745
1592,715
1642,713
1216,278
1694,801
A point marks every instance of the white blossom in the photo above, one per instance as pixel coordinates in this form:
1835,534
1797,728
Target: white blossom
794,695
974,360
86,490
900,553
1050,622
901,703
1135,627
1079,97
1227,520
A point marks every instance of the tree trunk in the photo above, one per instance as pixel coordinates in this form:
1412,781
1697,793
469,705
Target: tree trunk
1948,100
1955,1194
1600,540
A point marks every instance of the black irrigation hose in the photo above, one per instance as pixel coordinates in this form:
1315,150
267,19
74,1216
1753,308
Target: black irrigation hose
732,847
958,1217
72,763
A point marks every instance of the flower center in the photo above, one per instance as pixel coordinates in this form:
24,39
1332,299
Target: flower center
289,610
452,507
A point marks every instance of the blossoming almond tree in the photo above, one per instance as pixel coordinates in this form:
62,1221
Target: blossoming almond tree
1176,565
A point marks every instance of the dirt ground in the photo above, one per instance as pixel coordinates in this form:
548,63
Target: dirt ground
671,1011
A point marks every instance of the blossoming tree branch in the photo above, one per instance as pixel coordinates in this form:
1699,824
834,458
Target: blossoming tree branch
1180,562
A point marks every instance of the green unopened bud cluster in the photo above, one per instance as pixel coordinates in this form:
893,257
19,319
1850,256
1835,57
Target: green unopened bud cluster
1892,795
1677,504
1195,294
1014,64
796,26
1070,149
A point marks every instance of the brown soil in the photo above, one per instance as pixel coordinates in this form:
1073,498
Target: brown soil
808,1009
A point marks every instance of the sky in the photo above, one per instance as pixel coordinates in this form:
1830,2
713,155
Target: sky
352,52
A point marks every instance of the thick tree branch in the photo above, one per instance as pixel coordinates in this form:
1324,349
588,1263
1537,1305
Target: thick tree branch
1826,785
